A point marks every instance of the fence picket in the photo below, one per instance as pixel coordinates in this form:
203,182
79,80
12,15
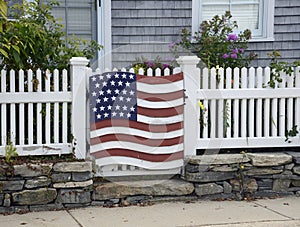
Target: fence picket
56,107
213,106
39,109
205,104
12,79
251,114
21,110
3,110
158,72
167,72
64,108
290,103
243,121
266,105
228,105
236,118
220,105
48,109
259,108
274,116
149,72
30,108
282,110
141,71
297,101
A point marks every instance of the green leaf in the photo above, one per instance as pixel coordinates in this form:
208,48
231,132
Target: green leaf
4,53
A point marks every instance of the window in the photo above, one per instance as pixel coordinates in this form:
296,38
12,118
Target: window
10,4
256,15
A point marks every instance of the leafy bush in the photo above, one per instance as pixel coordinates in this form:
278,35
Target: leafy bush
216,44
36,40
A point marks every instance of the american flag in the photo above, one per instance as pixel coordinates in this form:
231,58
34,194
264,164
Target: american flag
137,120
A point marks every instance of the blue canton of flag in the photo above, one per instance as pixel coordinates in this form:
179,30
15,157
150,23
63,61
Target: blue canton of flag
113,96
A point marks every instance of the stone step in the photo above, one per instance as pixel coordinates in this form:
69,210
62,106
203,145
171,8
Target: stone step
122,189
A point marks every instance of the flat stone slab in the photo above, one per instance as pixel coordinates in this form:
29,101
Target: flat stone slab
73,167
296,156
218,159
262,171
74,196
34,197
209,176
208,189
32,170
267,159
13,185
149,187
296,170
41,181
73,184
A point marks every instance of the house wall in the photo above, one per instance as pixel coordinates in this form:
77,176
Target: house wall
286,34
145,28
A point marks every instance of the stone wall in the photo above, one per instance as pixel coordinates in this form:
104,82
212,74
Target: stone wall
33,187
244,175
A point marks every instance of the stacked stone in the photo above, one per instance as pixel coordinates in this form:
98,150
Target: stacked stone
141,192
239,175
31,187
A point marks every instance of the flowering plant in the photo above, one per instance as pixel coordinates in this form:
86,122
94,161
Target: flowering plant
217,44
146,64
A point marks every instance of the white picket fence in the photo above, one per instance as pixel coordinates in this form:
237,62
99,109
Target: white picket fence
239,110
34,112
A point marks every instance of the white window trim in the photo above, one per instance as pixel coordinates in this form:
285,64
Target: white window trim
104,34
268,29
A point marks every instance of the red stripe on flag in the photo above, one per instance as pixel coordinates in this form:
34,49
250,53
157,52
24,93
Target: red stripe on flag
136,125
160,97
166,112
137,139
139,155
159,79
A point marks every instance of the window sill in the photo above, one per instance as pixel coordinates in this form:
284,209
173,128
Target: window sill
261,39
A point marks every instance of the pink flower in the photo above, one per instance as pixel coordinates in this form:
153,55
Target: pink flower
233,56
225,56
235,51
232,37
242,50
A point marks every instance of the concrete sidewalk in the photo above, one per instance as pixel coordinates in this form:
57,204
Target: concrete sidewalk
265,212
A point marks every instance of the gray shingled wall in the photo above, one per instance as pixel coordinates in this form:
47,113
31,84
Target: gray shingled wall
286,34
145,28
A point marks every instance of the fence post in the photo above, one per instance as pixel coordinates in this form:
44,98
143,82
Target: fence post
78,70
188,65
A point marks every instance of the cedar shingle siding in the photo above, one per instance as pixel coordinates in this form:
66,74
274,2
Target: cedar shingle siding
286,34
148,21
145,28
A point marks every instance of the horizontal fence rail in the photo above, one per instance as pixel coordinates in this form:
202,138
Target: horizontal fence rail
237,109
34,112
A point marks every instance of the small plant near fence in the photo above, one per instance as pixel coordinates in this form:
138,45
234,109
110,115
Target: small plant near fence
145,64
278,67
10,152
